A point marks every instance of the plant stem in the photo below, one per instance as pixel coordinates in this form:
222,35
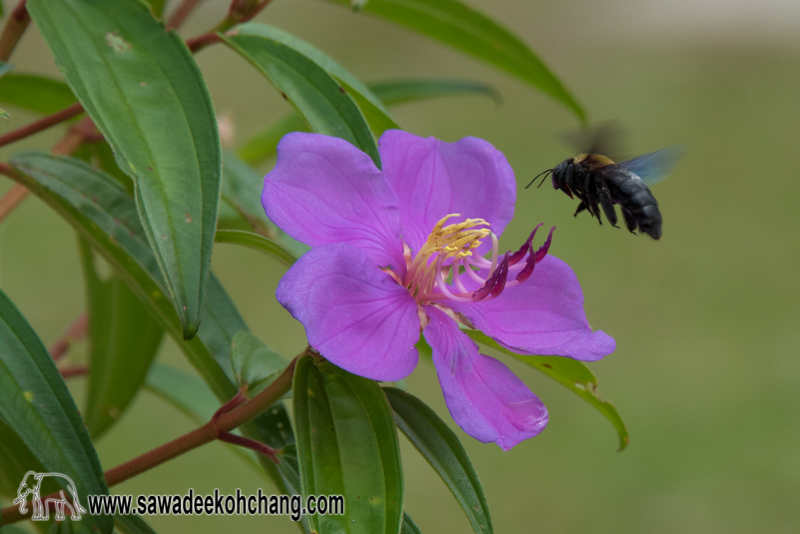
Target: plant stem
76,331
181,13
251,444
206,433
75,370
196,44
200,436
41,124
73,139
241,11
15,26
11,200
8,41
13,31
66,146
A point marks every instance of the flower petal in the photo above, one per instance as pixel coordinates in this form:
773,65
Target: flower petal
323,190
355,315
484,397
544,315
433,179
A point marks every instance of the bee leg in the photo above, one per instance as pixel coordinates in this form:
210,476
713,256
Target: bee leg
581,207
591,199
607,203
630,222
569,179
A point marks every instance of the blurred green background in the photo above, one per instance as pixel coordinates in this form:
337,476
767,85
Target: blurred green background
707,320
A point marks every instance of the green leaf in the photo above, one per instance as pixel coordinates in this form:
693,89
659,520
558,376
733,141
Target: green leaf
572,374
347,445
374,110
441,448
4,114
255,366
156,7
311,89
123,340
241,190
191,396
97,206
264,145
408,526
144,91
474,33
257,242
16,459
102,157
290,469
35,93
35,403
425,350
132,524
394,92
194,399
188,393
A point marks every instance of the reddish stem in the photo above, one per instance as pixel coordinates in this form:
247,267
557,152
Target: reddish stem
200,436
11,200
201,41
235,401
15,26
42,124
251,444
77,370
66,146
181,13
76,331
241,11
206,433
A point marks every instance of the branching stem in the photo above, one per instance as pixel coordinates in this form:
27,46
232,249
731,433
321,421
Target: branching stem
41,124
218,428
15,26
196,44
66,146
241,11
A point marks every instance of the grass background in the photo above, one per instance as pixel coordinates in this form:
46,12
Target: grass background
707,320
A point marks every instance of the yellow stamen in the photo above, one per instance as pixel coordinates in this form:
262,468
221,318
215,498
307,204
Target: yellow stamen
454,241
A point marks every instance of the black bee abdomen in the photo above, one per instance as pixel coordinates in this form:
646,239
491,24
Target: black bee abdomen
633,196
650,223
603,187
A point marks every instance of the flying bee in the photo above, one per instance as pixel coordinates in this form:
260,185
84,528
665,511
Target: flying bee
599,182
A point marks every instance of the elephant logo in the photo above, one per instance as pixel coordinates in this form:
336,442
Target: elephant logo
41,512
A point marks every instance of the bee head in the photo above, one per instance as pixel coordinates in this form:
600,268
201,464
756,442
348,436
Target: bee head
562,175
557,174
560,172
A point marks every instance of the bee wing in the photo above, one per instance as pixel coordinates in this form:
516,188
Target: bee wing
655,166
605,138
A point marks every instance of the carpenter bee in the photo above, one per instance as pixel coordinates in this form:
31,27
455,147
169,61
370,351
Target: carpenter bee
599,182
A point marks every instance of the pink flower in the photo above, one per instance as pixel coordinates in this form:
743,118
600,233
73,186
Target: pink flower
401,251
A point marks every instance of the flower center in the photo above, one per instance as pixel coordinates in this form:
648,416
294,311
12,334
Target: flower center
436,271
